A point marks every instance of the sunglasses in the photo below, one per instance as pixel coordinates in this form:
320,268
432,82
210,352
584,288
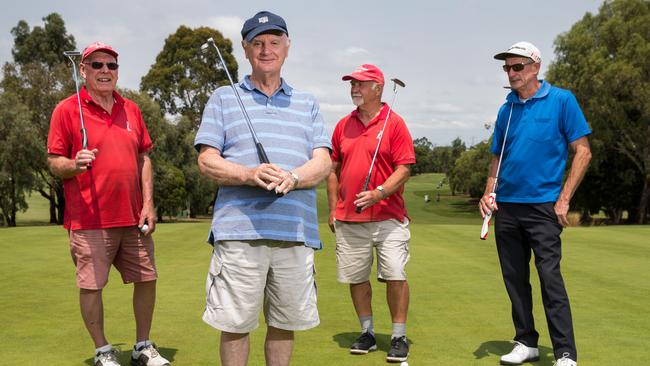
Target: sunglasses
99,65
516,67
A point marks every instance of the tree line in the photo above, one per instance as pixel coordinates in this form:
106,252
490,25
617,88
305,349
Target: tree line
604,59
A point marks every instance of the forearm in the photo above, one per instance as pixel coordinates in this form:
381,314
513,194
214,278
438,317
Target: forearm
332,190
146,177
577,171
315,170
213,166
62,167
492,175
396,180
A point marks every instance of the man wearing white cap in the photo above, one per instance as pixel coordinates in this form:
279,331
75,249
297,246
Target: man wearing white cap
106,207
539,123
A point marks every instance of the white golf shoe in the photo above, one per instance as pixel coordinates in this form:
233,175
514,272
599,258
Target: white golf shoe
148,356
520,354
108,358
565,361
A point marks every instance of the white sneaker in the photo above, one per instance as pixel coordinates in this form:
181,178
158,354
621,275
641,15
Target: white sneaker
148,356
520,354
108,358
565,361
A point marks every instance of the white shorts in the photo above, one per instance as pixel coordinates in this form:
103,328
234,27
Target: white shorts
244,275
355,242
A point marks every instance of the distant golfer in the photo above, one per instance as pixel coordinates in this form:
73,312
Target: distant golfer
263,244
383,223
107,206
544,121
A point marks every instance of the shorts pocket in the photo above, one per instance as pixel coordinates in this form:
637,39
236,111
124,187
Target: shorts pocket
212,281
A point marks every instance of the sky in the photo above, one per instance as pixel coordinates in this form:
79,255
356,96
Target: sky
442,50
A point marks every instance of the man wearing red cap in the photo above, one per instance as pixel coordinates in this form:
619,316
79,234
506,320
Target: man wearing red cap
109,211
382,223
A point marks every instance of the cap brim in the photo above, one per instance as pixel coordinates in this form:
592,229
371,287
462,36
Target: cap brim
265,28
505,55
359,78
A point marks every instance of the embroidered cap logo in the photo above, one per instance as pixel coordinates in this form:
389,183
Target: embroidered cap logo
263,19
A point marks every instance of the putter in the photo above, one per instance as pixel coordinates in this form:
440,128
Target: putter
396,83
493,195
84,136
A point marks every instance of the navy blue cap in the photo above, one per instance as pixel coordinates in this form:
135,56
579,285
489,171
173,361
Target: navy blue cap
262,22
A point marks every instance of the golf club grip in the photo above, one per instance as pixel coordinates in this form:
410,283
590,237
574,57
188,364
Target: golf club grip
261,153
84,143
365,188
488,217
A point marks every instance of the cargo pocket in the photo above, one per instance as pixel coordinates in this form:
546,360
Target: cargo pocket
212,282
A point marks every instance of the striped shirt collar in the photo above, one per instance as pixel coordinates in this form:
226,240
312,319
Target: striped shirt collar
248,85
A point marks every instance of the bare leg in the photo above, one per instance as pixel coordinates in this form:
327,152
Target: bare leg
92,312
397,294
278,346
362,298
234,348
144,300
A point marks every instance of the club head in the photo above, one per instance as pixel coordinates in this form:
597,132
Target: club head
71,53
398,82
211,40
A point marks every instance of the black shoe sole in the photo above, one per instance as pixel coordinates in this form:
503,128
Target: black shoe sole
534,359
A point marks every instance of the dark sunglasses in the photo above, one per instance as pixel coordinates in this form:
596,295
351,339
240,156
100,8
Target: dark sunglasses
98,65
516,67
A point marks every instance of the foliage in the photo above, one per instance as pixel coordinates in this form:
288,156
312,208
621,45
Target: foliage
470,171
19,148
44,45
605,60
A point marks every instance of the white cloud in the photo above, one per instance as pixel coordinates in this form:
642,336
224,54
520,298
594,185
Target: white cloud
353,56
229,26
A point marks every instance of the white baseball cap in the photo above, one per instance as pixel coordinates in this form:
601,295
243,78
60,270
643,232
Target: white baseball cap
521,49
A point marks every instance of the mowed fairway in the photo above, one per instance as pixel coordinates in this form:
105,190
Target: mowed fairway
459,312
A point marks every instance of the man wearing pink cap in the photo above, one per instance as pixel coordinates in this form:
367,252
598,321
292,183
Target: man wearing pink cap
382,223
109,209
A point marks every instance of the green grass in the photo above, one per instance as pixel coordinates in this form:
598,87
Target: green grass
459,312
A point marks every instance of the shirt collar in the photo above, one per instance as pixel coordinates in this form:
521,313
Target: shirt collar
542,92
379,117
248,85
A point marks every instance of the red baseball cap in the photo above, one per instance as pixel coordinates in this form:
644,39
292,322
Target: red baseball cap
366,72
98,46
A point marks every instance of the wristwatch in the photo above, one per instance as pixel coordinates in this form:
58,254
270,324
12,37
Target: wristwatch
296,179
381,189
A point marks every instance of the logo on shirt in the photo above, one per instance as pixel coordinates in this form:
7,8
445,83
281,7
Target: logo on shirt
262,19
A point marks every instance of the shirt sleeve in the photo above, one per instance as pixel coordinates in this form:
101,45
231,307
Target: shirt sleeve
402,150
574,124
320,138
59,139
145,140
336,142
499,128
211,130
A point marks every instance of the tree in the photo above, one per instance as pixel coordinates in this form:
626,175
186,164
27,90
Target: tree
605,60
18,140
183,77
470,170
423,156
40,78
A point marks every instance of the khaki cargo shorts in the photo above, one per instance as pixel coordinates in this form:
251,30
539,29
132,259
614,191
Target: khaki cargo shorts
245,276
354,250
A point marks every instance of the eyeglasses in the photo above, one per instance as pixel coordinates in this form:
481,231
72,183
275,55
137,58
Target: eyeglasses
516,67
99,65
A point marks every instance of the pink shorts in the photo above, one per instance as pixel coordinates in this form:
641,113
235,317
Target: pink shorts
93,252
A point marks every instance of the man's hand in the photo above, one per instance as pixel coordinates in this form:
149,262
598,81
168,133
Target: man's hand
487,204
366,199
148,216
266,176
286,183
561,210
331,222
83,159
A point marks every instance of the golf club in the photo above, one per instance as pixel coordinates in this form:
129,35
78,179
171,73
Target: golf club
84,136
493,195
396,82
258,145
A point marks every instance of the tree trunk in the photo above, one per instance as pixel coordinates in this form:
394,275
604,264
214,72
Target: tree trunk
52,200
60,204
641,214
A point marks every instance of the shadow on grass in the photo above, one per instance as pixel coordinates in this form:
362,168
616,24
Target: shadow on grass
345,340
499,348
125,354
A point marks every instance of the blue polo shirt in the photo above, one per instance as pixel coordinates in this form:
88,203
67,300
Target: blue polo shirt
541,129
290,126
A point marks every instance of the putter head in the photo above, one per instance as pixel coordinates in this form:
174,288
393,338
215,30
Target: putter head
71,53
398,82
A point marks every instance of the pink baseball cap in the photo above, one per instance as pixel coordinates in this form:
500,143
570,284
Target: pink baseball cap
98,46
366,72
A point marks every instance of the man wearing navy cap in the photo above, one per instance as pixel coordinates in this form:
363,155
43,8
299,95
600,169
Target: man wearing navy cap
263,243
541,122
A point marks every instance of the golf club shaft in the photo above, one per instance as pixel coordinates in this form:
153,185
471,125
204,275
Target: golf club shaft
258,145
75,77
493,194
379,137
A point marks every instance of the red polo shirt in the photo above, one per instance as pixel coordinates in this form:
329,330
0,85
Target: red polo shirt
353,145
110,194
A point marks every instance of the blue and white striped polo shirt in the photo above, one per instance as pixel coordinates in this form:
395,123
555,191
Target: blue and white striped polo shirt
289,126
